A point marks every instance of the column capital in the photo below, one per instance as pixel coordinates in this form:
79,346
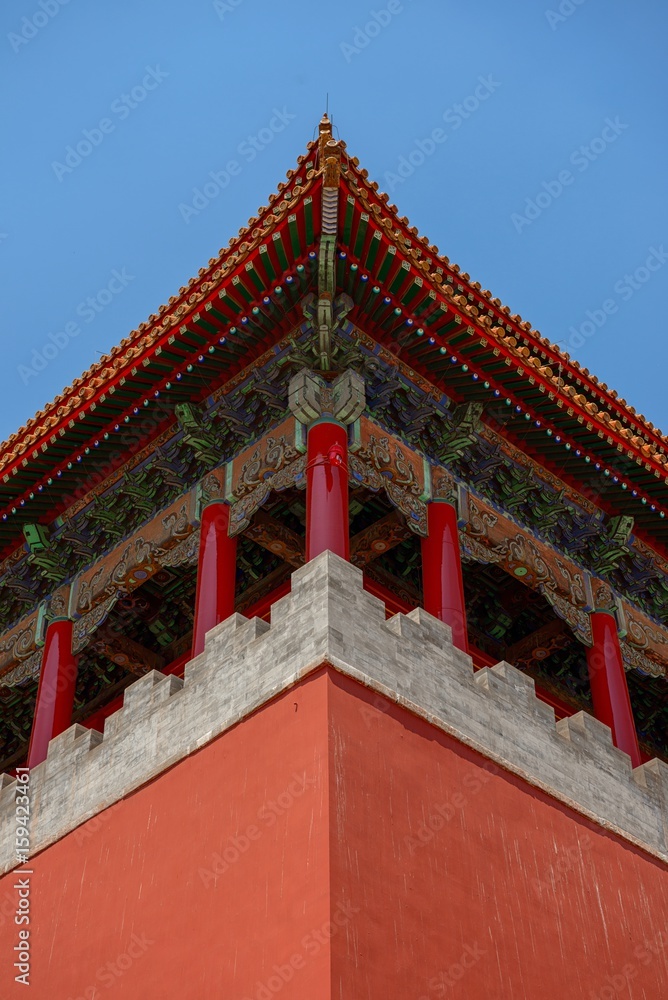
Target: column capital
56,608
311,397
455,495
203,502
602,601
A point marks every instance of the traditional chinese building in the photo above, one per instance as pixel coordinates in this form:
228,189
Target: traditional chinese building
334,635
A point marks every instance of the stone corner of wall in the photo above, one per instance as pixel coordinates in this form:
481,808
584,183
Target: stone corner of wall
328,617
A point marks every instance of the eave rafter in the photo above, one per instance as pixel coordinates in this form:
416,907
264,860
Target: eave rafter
379,462
328,196
465,310
134,348
420,300
328,205
488,311
254,305
126,652
365,547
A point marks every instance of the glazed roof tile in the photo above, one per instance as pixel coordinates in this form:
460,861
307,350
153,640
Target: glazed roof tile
427,258
580,388
75,397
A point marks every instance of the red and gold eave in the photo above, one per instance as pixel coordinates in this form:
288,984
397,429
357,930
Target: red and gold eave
450,331
431,317
218,324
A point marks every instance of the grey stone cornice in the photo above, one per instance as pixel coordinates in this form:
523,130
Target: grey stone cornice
328,618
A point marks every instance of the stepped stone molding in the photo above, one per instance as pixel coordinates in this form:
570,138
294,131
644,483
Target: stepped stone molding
378,460
328,618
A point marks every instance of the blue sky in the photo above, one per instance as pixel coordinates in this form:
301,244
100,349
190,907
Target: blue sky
546,182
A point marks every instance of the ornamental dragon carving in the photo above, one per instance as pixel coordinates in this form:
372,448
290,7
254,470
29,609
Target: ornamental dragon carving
380,461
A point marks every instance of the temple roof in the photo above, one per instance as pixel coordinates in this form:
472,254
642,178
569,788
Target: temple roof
474,347
560,486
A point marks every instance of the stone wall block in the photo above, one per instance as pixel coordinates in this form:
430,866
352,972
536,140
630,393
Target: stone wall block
251,630
330,580
437,632
653,776
515,687
74,742
140,700
411,630
5,781
410,659
139,695
235,632
589,736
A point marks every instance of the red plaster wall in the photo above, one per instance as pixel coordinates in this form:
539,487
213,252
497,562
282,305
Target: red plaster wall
146,868
404,867
472,884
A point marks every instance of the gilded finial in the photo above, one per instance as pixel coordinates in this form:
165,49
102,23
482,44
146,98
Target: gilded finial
325,128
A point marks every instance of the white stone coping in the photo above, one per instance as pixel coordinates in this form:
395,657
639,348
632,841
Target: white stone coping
328,618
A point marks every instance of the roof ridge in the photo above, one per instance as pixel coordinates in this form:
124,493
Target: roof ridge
650,444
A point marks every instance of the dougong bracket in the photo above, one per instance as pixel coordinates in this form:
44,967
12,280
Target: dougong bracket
196,434
311,397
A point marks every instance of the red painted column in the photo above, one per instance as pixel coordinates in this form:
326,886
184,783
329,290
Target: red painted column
327,490
216,572
610,692
442,581
55,694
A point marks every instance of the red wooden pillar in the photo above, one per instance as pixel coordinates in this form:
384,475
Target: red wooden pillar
442,581
327,489
216,572
610,692
55,694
